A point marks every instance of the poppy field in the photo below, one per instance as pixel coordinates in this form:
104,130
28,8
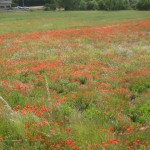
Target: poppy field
83,87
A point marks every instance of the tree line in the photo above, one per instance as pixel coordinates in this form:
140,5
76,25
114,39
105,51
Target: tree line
87,4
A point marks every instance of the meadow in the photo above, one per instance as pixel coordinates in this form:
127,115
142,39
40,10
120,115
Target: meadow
75,80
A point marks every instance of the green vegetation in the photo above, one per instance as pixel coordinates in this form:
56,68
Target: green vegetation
143,5
42,21
89,4
75,80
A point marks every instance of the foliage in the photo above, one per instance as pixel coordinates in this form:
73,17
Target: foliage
67,4
92,5
82,5
101,5
143,5
48,6
13,4
88,4
75,88
33,2
113,5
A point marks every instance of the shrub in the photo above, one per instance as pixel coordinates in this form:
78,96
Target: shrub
143,5
48,7
92,5
64,86
82,5
140,113
133,5
92,113
101,5
52,7
14,5
66,110
113,5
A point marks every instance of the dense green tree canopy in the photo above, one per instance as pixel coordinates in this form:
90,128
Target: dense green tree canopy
32,2
90,4
67,4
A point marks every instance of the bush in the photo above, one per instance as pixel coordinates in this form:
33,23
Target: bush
14,5
64,86
52,7
82,5
92,5
133,5
48,7
101,5
143,5
113,5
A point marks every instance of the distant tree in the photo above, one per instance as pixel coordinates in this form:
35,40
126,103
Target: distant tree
32,2
15,3
113,4
143,5
48,7
67,4
133,4
92,5
101,5
82,5
88,4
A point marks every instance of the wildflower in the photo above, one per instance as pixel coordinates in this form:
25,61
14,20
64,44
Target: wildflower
128,148
75,147
130,128
113,141
104,144
23,148
57,146
1,138
136,143
68,130
69,142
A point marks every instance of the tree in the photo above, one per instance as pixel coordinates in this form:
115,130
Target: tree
82,5
143,5
101,5
92,5
87,4
32,2
67,4
48,7
113,4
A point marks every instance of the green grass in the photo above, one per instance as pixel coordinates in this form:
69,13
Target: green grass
41,21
